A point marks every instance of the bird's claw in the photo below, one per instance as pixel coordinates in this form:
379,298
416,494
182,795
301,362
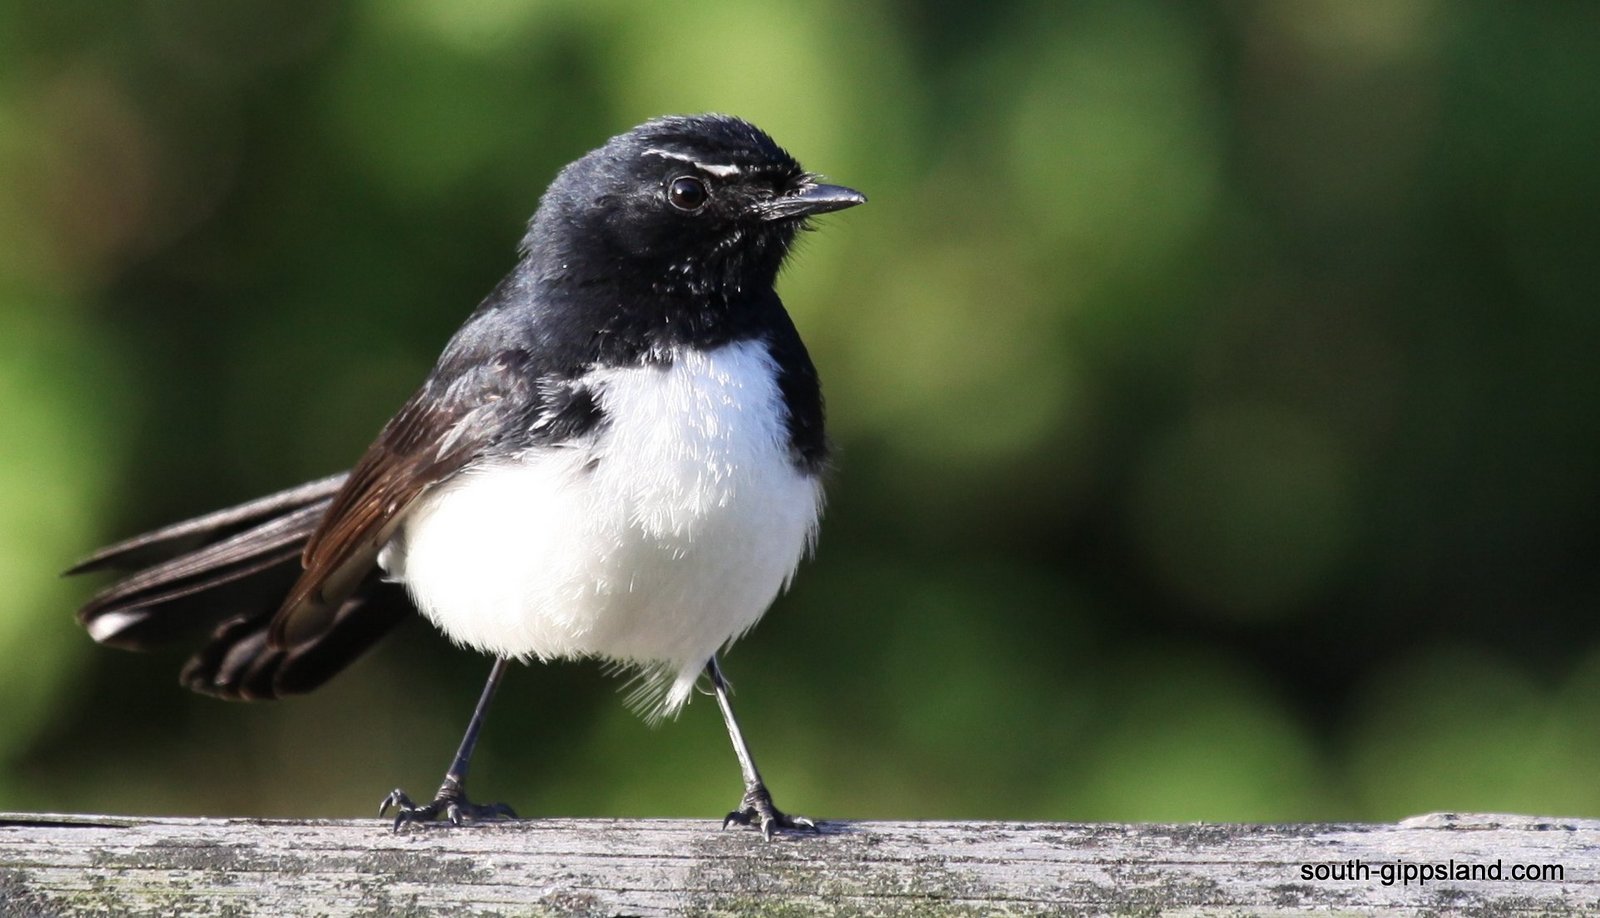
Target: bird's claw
451,803
756,810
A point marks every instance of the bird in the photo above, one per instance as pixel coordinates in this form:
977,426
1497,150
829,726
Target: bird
618,456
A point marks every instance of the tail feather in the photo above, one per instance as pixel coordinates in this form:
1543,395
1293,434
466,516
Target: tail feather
171,541
239,662
226,573
123,613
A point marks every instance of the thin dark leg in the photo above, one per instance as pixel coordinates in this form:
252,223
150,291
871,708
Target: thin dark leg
451,801
458,769
756,806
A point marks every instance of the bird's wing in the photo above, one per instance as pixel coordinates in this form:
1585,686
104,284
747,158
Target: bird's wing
439,431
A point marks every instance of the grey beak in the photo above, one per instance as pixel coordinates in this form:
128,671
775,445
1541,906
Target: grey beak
812,199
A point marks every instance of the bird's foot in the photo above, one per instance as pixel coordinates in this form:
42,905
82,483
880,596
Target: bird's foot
756,810
450,803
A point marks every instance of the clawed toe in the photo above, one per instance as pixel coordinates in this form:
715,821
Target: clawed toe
756,810
451,804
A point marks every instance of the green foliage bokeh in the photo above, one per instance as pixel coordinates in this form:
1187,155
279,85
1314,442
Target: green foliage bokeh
1214,385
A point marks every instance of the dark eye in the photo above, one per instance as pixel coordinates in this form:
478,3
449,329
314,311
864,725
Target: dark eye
687,193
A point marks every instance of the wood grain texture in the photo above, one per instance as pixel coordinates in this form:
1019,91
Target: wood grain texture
89,865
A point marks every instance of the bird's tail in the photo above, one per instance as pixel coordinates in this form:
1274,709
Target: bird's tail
226,573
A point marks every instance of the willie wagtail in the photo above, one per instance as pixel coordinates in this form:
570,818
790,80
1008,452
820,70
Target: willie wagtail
617,456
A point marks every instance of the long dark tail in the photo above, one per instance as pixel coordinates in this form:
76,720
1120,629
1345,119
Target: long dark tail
227,572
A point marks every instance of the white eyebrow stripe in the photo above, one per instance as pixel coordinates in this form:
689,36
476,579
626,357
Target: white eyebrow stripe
718,170
668,154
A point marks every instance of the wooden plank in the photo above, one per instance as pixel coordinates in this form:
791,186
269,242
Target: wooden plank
92,865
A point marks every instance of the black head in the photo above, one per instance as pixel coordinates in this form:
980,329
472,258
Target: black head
703,205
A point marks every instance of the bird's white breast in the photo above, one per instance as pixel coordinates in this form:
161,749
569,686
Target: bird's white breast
653,541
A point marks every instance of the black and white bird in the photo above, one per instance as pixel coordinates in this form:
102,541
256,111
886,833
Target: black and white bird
618,456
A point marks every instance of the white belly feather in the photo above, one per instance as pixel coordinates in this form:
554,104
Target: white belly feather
652,542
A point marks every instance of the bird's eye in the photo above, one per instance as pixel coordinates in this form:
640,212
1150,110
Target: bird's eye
687,193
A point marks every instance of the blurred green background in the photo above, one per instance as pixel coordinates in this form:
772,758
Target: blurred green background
1215,388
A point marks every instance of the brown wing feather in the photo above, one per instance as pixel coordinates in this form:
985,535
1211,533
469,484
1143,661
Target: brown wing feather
438,432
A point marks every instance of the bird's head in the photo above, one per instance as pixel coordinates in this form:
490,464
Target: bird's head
698,205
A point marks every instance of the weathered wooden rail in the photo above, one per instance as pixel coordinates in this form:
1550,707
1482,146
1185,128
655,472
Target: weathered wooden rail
94,865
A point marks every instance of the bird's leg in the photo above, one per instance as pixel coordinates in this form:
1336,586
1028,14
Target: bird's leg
755,808
451,801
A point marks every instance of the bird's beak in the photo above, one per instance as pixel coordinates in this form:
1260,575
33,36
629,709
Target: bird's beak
810,199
